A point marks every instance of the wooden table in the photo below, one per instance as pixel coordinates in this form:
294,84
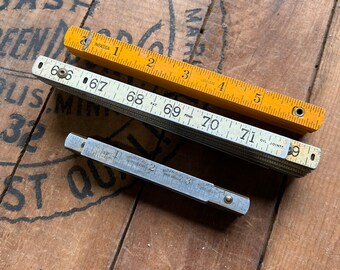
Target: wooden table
61,211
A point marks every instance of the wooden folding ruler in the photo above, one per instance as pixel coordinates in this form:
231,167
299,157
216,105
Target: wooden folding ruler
209,86
242,140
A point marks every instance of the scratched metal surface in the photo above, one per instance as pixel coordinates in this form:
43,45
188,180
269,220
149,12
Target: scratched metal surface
60,211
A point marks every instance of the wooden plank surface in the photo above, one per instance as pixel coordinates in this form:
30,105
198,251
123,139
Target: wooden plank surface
59,211
306,233
175,233
27,30
73,207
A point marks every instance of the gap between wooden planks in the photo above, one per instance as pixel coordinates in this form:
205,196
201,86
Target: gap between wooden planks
79,214
205,236
173,233
306,233
27,30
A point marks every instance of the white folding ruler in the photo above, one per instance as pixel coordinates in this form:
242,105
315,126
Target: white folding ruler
242,140
164,176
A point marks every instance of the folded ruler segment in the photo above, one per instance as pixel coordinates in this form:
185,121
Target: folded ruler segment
156,173
242,140
194,81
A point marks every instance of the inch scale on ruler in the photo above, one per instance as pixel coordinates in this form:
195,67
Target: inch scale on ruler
194,81
154,172
242,140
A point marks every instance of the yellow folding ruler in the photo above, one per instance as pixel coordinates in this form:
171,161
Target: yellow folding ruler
199,83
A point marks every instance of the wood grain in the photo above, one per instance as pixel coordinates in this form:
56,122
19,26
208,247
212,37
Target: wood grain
307,229
171,232
27,30
184,234
66,212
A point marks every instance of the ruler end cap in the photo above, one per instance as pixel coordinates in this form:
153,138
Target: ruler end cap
243,205
38,64
232,201
75,142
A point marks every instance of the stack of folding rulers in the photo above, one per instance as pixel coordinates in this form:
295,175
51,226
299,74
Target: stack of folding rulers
242,140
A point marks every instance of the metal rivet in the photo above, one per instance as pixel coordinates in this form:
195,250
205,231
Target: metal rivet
298,111
62,73
83,41
228,199
86,41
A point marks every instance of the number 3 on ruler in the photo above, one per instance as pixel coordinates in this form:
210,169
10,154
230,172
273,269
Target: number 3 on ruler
185,76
